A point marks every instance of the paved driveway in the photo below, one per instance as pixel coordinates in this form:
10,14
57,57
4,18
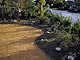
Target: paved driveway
74,16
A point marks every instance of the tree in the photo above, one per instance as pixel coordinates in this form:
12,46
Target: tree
42,3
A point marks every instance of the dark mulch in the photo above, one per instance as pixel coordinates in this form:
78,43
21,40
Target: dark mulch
49,47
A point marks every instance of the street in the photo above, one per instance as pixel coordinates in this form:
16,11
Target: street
74,16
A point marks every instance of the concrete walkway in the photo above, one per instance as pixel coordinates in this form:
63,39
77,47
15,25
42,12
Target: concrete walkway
17,43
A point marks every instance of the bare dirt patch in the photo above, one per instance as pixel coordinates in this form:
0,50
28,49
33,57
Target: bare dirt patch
17,43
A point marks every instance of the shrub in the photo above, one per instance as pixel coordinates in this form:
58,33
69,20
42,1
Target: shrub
64,39
67,32
67,24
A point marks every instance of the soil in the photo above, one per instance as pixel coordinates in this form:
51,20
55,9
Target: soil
17,43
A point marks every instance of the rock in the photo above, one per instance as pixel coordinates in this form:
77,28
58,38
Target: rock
48,32
58,49
70,58
14,21
31,23
42,39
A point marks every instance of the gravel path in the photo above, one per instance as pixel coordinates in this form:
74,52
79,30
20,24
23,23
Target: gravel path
17,43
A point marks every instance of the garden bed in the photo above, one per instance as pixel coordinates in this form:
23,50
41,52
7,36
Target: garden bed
48,44
61,33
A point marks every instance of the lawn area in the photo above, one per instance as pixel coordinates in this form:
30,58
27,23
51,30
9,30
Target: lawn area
17,43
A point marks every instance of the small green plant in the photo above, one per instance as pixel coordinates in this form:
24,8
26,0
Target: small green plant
58,17
63,39
76,27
